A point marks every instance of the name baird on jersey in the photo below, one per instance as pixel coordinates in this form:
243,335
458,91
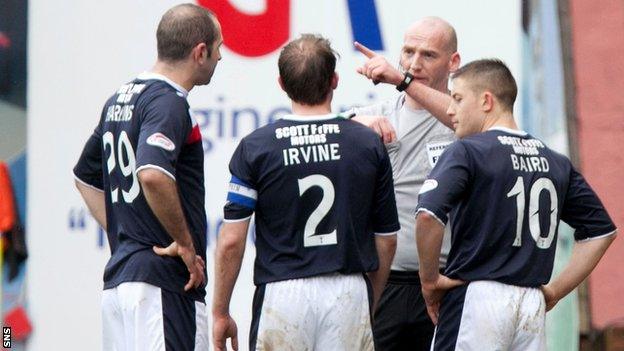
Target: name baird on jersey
310,143
121,112
526,154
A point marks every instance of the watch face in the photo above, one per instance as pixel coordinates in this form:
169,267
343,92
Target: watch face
407,79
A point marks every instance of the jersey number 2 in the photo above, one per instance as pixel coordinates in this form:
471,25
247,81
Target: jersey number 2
534,222
123,146
309,236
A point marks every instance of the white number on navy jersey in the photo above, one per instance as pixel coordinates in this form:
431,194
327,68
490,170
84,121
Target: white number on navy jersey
309,237
534,223
518,189
123,147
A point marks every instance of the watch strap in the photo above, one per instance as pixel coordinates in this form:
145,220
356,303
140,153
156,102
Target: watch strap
407,79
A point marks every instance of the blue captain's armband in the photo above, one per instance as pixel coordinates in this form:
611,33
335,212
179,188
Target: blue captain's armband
241,193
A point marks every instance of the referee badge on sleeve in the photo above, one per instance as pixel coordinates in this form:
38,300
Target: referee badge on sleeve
435,150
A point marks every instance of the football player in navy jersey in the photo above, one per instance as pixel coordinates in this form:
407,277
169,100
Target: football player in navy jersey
141,175
321,189
504,192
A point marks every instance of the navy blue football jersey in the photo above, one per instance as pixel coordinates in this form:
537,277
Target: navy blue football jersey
506,192
146,124
321,187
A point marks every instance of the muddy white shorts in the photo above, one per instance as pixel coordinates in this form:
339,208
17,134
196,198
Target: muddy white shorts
327,312
487,315
141,316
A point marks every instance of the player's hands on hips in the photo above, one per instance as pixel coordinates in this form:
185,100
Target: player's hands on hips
194,263
224,327
434,292
550,297
380,124
377,68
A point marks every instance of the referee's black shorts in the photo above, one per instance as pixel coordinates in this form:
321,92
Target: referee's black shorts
401,320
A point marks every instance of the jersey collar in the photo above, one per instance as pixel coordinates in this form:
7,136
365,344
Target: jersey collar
310,118
509,131
156,76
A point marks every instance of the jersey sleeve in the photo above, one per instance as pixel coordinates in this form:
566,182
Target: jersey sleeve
163,132
371,110
88,170
383,108
385,216
242,194
446,183
583,210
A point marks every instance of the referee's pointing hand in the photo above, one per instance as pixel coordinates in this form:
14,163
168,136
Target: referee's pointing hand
377,68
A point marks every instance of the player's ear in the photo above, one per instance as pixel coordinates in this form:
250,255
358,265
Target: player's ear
334,81
200,52
281,83
487,101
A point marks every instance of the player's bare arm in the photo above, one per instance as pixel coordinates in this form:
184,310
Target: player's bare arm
585,256
378,69
95,202
162,196
228,260
386,247
429,235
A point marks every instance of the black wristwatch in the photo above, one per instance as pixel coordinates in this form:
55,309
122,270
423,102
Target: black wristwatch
407,79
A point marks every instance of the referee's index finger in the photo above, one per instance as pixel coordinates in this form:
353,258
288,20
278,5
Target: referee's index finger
363,49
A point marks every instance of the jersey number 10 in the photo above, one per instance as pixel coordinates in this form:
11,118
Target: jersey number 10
534,221
123,147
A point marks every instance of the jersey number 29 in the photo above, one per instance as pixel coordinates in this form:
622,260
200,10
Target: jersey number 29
123,147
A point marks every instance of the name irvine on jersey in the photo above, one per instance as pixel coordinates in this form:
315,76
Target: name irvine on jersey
120,112
315,137
526,154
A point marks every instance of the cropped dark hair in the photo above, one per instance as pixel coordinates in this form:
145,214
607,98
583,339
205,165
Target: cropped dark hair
306,66
181,28
491,75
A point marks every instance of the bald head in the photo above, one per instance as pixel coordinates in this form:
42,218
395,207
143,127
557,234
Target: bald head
306,66
437,30
181,28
